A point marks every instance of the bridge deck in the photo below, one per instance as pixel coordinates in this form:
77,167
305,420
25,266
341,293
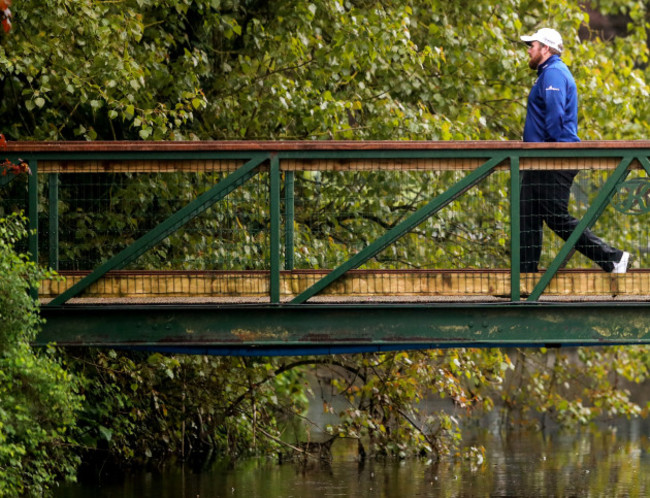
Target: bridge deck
355,286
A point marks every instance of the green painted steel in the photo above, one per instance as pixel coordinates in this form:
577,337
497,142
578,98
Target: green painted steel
289,206
257,327
275,230
6,180
32,214
184,215
606,200
32,210
515,227
599,204
53,196
339,154
633,197
404,227
462,153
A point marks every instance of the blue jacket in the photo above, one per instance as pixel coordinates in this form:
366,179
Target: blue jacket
552,105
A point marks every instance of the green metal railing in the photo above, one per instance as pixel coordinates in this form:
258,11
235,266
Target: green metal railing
271,158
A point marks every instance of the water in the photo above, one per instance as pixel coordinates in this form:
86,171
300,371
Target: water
605,463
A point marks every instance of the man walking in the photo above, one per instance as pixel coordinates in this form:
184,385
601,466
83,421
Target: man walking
552,116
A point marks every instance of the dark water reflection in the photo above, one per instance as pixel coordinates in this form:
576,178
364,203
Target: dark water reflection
592,463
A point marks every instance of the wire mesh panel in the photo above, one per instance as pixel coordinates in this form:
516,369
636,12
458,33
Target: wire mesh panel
340,213
553,203
14,198
102,214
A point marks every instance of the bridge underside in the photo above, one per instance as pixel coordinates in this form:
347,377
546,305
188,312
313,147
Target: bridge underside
336,328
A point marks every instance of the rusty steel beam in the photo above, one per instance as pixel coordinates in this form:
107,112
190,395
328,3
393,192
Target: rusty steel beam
318,328
23,147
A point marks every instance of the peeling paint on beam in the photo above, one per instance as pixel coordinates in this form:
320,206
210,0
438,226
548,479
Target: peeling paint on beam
267,327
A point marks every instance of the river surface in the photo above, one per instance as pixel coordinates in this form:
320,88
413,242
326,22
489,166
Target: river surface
594,462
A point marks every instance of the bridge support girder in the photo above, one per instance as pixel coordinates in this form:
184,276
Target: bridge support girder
336,328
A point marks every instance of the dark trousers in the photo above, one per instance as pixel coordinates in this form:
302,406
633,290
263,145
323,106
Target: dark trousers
545,198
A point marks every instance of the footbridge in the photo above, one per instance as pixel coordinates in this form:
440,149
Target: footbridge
326,246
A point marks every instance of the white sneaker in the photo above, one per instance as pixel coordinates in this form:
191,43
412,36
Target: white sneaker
621,266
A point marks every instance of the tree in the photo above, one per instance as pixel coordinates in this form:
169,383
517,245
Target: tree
90,70
38,400
309,70
141,406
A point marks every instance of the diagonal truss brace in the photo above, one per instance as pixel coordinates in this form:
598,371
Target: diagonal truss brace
167,227
404,227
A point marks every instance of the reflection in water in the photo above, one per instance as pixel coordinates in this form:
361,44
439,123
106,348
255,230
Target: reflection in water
592,463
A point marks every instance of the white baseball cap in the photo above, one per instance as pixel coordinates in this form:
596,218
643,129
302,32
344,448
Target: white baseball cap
548,37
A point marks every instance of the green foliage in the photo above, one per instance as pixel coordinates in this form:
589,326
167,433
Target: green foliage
143,406
38,402
421,69
325,69
413,70
126,206
90,70
569,389
392,409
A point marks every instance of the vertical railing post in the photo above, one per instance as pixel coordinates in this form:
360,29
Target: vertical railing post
275,229
289,182
54,220
32,213
515,228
